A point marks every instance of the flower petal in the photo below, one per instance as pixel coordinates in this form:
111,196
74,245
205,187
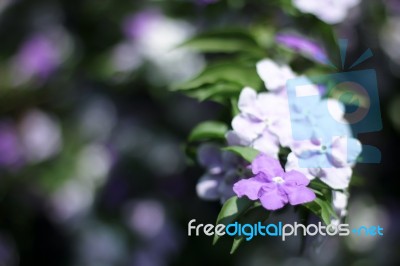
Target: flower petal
209,155
274,75
345,151
268,144
293,164
207,187
299,195
296,178
273,199
246,127
336,178
305,148
265,164
234,139
248,187
247,99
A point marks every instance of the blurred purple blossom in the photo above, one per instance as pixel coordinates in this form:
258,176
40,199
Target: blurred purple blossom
39,56
222,173
136,25
10,148
303,46
153,36
160,239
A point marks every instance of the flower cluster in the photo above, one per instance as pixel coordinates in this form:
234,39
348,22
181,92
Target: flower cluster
314,130
268,121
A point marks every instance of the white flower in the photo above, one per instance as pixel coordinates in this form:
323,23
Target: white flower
153,37
264,122
274,76
329,11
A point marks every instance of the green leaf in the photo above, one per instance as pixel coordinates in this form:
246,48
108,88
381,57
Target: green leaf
231,210
226,41
234,106
208,130
229,71
318,185
215,91
322,208
317,192
252,215
246,152
326,210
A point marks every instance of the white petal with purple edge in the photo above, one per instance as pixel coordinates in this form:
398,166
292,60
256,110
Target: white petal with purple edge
268,144
247,129
336,178
274,75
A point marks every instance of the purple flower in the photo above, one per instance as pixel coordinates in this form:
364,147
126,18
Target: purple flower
38,57
10,148
135,26
272,186
303,46
222,173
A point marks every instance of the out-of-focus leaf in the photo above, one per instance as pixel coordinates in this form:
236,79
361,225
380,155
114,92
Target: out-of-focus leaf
231,211
318,185
208,130
240,74
234,105
215,91
246,152
322,208
226,41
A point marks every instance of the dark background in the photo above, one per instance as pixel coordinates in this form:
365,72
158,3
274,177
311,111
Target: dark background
92,163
